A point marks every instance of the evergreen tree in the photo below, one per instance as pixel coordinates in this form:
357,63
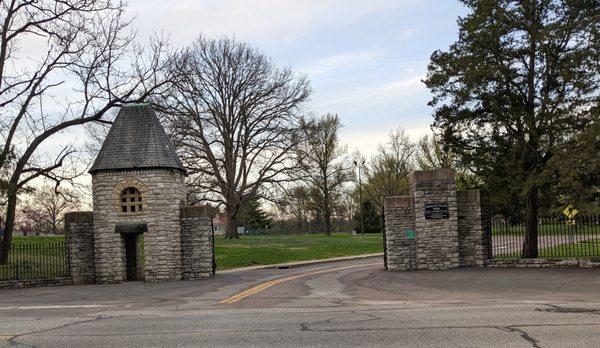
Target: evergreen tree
371,219
577,169
254,217
520,81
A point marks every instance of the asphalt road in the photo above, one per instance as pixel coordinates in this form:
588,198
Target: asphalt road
342,304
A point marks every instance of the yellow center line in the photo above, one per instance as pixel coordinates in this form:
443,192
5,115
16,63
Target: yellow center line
264,286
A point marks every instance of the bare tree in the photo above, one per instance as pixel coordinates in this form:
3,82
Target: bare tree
48,205
324,164
347,208
295,205
432,155
234,118
86,51
387,172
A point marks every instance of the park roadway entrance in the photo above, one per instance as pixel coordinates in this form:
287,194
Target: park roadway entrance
340,304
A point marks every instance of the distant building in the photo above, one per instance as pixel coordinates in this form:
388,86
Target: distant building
220,224
26,229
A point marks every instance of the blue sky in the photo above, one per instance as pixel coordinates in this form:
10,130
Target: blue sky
365,59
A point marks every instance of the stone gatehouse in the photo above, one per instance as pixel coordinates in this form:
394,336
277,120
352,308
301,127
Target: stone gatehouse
436,226
140,228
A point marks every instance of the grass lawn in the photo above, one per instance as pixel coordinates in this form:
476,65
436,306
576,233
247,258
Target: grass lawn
38,239
545,229
587,248
264,250
584,248
246,251
36,257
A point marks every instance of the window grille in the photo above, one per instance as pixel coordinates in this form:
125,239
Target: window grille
131,200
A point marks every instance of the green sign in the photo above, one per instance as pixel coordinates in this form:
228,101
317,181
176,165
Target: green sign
410,234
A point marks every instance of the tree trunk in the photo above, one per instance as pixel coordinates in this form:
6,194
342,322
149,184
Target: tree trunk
327,223
530,249
54,225
231,232
11,208
530,244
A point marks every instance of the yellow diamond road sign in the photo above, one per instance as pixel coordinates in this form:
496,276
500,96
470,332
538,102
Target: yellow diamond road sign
570,212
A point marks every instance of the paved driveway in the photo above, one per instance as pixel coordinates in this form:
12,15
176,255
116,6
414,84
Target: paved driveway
340,304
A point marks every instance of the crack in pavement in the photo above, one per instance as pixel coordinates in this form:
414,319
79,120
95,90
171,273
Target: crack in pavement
513,328
572,310
306,326
524,334
346,321
237,331
565,283
12,341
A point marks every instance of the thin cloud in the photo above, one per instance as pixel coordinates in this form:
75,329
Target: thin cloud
341,61
257,20
367,142
371,95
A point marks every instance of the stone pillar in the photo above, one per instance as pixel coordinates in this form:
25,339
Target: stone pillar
436,218
196,243
399,217
79,237
453,229
474,228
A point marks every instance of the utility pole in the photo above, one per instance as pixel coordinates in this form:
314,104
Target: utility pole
362,228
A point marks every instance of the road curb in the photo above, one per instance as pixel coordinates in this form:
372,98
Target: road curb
297,264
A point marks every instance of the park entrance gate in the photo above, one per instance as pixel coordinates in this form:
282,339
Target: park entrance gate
436,226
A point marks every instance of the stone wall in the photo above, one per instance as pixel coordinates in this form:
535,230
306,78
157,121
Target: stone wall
163,196
474,229
437,239
399,217
79,238
545,263
197,243
27,283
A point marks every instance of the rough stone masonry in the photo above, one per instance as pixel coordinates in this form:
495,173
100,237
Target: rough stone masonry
436,227
140,228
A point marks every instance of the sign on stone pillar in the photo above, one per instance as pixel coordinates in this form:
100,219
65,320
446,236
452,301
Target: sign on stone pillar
436,227
434,211
436,218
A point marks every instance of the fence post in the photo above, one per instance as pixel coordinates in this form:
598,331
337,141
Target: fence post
13,251
214,260
385,265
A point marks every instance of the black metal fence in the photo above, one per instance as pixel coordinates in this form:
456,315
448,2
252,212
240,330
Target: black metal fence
557,238
36,261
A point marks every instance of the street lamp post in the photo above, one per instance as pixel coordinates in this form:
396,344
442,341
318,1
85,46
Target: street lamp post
360,207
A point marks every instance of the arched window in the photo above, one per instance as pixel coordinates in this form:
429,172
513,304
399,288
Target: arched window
131,200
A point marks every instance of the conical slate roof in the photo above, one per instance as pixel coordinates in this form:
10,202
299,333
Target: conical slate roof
136,140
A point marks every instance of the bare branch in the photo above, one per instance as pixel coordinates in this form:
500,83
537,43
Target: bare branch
234,119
